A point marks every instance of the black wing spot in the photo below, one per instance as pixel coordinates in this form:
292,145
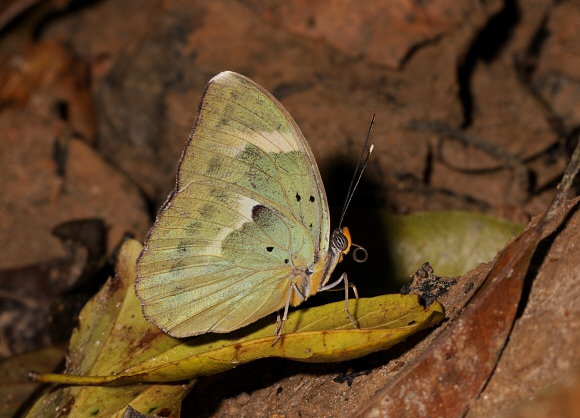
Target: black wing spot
269,249
310,226
286,261
257,211
312,198
298,197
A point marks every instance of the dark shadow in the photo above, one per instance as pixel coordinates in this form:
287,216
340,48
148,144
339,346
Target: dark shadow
534,48
90,234
366,227
71,7
38,20
488,44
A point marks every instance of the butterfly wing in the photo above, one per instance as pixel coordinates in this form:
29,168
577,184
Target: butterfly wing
248,214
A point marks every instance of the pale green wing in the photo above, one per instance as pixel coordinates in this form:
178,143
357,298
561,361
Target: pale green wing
248,213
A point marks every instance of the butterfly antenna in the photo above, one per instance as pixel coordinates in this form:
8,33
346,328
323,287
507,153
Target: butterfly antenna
358,174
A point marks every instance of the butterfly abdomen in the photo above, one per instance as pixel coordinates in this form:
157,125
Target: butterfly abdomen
308,279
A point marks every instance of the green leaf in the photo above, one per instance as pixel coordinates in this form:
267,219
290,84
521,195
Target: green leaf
453,242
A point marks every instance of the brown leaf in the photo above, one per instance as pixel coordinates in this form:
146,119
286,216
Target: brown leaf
50,67
385,31
446,377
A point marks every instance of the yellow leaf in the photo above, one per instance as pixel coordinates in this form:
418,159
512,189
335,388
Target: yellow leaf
14,389
113,335
316,334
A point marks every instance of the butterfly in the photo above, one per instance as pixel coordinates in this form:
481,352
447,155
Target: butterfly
246,231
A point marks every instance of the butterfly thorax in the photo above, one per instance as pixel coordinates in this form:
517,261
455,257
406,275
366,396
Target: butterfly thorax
310,280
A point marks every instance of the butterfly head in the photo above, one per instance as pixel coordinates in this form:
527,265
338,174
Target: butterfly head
340,241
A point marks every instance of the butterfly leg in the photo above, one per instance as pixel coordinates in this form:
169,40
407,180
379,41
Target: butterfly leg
278,322
353,287
346,286
280,328
344,278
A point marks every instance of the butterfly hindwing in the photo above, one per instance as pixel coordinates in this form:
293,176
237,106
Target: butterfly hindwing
248,208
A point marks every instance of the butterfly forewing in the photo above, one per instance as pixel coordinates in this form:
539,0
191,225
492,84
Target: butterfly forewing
248,212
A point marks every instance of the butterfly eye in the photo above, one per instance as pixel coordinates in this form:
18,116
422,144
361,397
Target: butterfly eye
339,240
